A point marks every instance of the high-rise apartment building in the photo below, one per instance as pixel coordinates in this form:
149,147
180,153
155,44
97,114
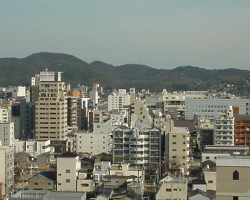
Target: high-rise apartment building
224,128
51,106
178,149
139,145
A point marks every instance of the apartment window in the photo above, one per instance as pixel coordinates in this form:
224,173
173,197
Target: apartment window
35,183
236,175
67,180
59,174
174,135
168,190
210,181
173,142
235,198
173,149
67,170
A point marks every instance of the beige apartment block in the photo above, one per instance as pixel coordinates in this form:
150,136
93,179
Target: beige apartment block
233,178
7,170
51,108
179,149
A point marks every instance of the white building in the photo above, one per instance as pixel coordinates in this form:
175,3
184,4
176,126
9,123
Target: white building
212,108
224,129
94,143
16,91
4,115
93,93
139,145
177,99
7,136
34,148
118,100
100,169
7,170
68,165
152,100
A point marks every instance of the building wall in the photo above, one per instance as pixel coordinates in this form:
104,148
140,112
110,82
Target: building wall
138,146
172,190
179,148
38,182
51,111
210,178
7,134
210,108
224,129
139,109
4,115
34,148
242,130
85,185
7,169
117,101
67,170
226,187
94,143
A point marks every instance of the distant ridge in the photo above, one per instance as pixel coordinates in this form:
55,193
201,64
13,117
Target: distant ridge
16,71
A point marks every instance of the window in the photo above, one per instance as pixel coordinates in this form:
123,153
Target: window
210,181
236,175
85,185
235,198
35,183
67,180
67,170
168,190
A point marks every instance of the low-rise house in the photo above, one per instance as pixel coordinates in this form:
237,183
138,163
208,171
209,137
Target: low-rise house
45,180
200,195
199,184
172,187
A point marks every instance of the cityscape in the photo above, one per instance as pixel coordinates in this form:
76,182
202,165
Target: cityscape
83,142
124,100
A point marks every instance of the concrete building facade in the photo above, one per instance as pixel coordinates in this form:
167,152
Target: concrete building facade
233,179
179,149
68,165
7,170
7,136
51,107
118,100
93,143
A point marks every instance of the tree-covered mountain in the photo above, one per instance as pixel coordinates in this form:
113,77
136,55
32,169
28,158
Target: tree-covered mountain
15,71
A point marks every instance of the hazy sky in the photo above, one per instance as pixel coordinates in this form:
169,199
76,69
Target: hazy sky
210,34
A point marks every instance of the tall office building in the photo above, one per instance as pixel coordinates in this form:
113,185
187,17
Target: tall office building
51,106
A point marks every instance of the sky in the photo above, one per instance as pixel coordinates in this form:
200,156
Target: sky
211,34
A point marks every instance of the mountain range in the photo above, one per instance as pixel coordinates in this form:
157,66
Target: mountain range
18,71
